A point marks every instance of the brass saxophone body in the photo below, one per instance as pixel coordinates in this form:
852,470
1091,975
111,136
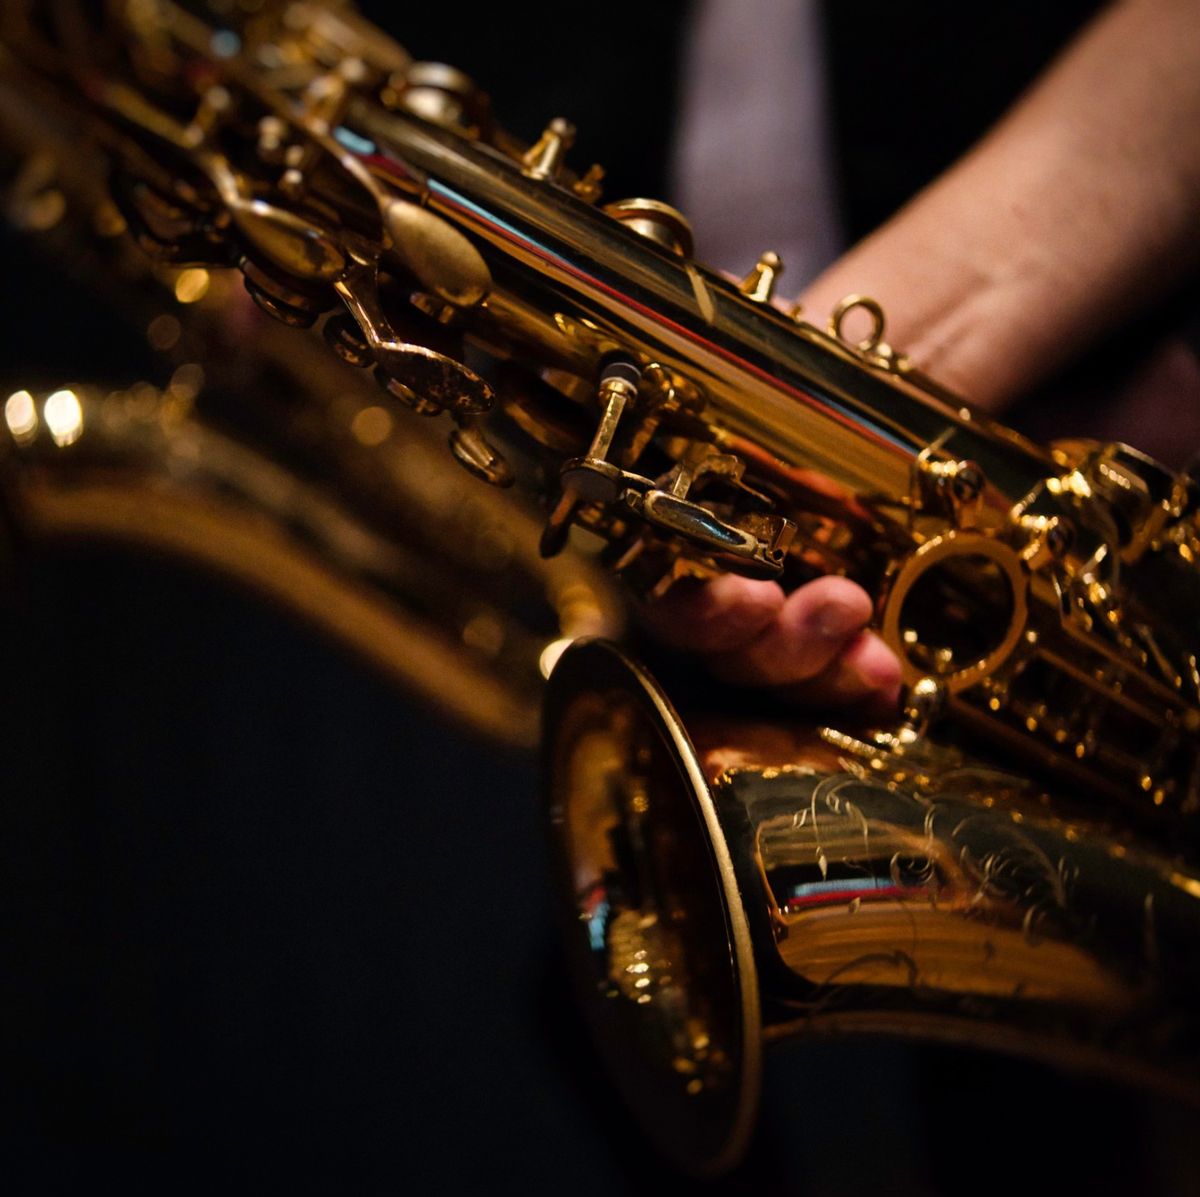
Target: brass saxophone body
309,495
1014,861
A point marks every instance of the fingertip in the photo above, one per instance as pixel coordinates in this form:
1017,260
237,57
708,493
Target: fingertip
880,672
808,631
722,615
831,608
875,663
752,595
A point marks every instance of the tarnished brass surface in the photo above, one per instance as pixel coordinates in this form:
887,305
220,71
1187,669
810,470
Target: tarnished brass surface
1042,600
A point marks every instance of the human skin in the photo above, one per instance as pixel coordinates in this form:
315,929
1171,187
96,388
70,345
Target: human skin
1080,207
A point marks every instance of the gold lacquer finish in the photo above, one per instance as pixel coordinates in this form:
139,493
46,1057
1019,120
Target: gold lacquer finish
1041,599
261,457
660,942
140,467
757,883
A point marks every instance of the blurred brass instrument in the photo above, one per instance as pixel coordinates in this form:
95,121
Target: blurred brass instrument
1012,863
310,495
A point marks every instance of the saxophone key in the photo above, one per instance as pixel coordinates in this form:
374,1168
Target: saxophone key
478,456
759,284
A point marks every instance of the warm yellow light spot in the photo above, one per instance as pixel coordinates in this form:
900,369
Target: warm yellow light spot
142,400
20,414
108,221
579,611
187,382
551,653
485,633
1073,483
163,333
372,426
192,285
41,211
64,417
1189,885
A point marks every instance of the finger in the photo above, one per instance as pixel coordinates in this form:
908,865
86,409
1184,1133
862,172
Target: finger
865,676
879,668
720,616
814,625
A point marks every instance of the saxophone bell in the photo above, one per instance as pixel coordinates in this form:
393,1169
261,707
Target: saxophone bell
725,885
756,884
658,938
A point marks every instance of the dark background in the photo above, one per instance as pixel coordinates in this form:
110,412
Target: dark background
269,924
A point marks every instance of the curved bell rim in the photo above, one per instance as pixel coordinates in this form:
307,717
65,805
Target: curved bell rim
754,883
657,936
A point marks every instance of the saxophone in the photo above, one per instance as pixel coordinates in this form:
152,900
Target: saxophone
1013,862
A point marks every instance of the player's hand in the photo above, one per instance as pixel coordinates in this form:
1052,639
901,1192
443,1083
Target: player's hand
813,644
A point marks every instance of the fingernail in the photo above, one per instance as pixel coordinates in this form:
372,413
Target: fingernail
882,675
835,621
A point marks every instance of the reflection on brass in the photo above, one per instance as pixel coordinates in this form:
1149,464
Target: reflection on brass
656,221
659,942
547,156
137,467
759,284
462,287
763,883
438,255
